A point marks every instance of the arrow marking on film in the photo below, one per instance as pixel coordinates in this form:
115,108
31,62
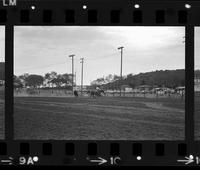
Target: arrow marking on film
100,161
187,160
7,161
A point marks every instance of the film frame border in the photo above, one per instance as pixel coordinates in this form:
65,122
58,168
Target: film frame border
151,13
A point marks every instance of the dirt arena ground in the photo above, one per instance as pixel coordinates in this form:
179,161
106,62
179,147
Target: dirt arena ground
101,118
197,116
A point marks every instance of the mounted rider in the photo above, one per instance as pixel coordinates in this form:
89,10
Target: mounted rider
97,92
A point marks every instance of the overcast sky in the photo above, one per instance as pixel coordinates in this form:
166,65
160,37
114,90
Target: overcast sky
39,50
2,43
197,48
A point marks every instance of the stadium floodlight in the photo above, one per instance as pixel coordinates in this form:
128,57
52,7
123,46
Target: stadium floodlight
82,61
121,49
72,56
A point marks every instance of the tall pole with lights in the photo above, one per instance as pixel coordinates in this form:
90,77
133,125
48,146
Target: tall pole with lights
82,61
121,49
72,56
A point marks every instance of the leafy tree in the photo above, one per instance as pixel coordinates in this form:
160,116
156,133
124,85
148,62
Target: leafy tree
98,81
103,81
17,82
47,78
34,80
62,80
116,77
23,78
67,79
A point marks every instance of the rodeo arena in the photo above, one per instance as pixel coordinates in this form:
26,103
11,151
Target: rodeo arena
56,107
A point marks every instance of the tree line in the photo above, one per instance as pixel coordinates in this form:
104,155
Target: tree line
160,78
49,80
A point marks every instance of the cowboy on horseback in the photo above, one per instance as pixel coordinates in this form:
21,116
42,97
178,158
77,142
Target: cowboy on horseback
98,92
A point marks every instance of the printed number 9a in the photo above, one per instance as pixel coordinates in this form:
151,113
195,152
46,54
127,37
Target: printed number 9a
24,161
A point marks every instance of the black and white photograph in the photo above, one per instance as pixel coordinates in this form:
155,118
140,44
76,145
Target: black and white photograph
197,83
2,81
99,83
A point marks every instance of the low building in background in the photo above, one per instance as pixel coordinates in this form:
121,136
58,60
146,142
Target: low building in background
144,88
127,88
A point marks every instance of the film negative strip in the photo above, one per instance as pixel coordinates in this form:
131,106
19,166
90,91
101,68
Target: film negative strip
99,82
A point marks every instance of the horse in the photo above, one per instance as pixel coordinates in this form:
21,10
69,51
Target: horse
97,93
75,93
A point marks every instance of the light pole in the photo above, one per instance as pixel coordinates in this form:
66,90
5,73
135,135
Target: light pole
75,78
82,61
121,49
72,56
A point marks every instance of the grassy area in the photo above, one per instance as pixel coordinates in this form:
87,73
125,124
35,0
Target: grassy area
101,118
